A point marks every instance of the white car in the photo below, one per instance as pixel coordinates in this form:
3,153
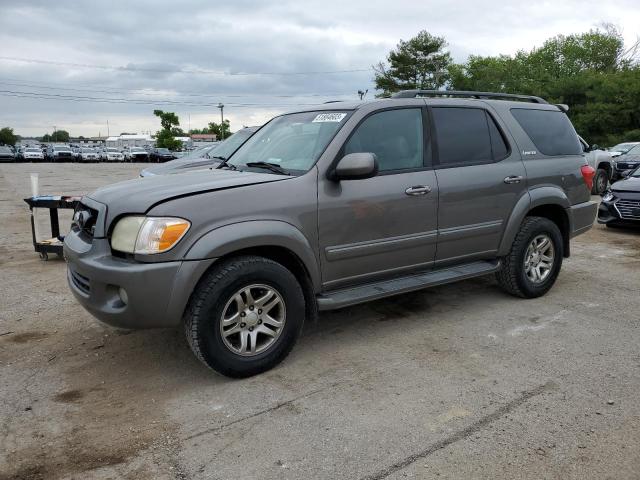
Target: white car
622,148
112,155
88,155
32,153
136,154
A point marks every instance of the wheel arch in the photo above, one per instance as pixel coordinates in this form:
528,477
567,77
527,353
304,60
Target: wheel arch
547,202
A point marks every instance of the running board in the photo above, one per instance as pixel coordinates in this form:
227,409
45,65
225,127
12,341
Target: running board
387,288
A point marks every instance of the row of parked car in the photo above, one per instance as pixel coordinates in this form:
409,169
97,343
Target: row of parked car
82,153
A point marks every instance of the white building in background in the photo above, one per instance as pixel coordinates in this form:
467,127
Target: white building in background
130,141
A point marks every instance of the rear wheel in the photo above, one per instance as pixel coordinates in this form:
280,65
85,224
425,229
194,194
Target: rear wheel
245,316
534,262
600,182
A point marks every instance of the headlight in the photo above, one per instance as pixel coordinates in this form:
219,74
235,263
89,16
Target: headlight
608,196
148,235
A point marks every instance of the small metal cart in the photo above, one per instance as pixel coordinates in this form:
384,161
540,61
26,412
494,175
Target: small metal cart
53,203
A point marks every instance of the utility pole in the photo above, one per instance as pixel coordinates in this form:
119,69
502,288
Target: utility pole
221,107
55,134
108,127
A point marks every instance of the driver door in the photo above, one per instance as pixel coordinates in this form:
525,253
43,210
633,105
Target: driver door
383,226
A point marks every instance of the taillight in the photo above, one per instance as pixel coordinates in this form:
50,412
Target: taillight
588,172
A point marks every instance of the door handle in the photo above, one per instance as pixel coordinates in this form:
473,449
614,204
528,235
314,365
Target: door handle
418,190
513,179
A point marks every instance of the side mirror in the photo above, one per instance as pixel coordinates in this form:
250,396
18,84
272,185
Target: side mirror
595,146
356,166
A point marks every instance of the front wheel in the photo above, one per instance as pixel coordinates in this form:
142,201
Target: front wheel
533,264
245,316
600,182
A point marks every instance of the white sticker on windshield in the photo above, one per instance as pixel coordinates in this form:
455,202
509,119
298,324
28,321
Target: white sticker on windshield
329,117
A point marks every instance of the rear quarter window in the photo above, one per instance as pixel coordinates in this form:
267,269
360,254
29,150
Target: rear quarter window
549,130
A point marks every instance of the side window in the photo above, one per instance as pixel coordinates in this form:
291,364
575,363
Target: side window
394,136
549,130
467,136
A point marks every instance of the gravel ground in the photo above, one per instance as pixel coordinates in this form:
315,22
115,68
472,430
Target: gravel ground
460,381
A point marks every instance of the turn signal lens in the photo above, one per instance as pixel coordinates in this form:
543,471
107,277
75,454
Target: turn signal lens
158,235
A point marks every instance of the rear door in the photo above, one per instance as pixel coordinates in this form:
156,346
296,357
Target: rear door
480,176
386,225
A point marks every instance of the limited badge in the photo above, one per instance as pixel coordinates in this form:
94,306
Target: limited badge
329,117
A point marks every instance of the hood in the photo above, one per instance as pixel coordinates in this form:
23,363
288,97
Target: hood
628,158
631,184
139,195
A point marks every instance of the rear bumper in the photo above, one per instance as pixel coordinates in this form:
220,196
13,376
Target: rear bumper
581,217
156,294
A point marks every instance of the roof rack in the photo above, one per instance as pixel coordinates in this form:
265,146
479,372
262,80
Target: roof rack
468,94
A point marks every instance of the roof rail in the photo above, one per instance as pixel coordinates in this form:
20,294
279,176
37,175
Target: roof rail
468,94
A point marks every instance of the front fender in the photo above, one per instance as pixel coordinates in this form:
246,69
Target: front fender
546,195
257,233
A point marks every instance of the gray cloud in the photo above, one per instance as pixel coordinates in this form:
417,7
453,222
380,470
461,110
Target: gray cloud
160,47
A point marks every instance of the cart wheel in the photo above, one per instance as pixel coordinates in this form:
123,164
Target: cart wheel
44,256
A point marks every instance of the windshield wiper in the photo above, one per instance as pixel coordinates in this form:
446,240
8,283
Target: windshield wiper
268,166
224,163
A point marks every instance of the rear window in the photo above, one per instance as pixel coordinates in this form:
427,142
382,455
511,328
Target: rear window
549,130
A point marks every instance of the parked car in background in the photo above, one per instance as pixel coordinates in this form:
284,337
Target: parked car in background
89,155
32,154
59,153
161,155
627,162
6,154
77,150
620,205
333,206
136,154
622,148
111,154
203,157
603,164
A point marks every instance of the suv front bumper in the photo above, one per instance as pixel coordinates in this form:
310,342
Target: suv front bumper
125,293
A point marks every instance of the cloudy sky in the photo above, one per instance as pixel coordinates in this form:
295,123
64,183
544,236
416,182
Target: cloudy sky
80,65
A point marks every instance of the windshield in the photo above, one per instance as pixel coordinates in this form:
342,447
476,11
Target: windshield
113,150
5,149
64,149
33,150
88,150
633,151
138,149
162,150
293,142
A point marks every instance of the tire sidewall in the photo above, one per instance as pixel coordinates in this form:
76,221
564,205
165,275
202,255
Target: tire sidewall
543,227
600,173
213,347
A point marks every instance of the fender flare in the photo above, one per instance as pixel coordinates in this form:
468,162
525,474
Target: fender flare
547,195
231,238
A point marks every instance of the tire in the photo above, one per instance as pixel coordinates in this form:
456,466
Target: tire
513,276
216,294
600,182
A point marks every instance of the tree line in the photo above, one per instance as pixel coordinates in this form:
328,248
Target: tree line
592,72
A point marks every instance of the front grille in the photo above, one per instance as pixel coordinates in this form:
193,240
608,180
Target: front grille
80,281
628,209
64,154
626,166
84,219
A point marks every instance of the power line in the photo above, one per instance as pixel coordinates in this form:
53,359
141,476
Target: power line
109,90
75,98
199,71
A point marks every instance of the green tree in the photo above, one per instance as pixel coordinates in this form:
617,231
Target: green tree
165,138
7,137
421,62
61,136
220,130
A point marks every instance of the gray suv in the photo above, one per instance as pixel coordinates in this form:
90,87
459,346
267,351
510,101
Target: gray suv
332,206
